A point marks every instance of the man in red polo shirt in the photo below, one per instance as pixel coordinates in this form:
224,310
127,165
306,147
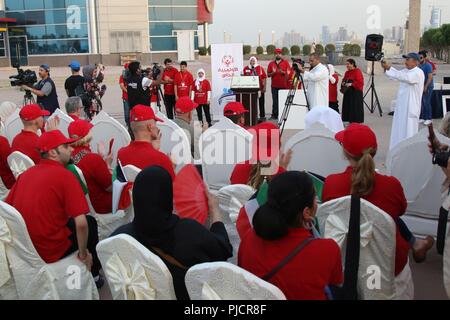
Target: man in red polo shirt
183,82
168,77
5,172
235,111
53,206
278,70
32,117
144,151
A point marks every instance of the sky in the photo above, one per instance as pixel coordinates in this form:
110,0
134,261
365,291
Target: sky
244,18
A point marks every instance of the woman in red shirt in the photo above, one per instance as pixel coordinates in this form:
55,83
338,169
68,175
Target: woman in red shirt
95,169
333,91
282,225
360,145
202,96
254,69
352,87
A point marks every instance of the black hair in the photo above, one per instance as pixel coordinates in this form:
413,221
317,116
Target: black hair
289,194
183,63
352,62
423,53
133,67
235,118
168,60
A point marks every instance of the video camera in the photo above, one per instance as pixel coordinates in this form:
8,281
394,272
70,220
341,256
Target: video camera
23,77
296,62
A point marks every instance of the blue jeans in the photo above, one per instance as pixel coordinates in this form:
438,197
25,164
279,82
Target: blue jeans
126,112
426,105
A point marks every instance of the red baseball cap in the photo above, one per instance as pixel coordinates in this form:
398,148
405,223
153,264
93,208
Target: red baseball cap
266,137
52,139
357,138
143,113
79,129
278,50
185,105
234,109
32,111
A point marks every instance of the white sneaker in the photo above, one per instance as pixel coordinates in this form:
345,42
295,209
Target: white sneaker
428,122
421,121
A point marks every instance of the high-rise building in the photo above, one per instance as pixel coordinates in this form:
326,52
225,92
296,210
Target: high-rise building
436,18
398,34
342,34
387,33
292,38
326,35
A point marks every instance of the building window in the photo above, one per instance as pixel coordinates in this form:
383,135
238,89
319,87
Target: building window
2,45
125,41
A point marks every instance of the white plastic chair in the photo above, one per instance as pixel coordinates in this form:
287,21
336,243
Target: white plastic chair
225,281
411,163
231,200
12,126
377,250
107,223
64,123
316,150
19,163
222,147
447,265
7,108
174,141
107,128
67,279
133,272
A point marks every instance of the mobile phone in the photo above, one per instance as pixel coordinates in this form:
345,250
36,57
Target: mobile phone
432,138
111,142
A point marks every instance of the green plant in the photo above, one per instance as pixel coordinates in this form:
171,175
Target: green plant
285,51
330,48
259,50
320,50
202,51
270,49
295,50
209,50
306,49
247,49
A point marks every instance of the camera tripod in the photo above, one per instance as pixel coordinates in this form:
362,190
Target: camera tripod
374,102
159,96
28,98
290,99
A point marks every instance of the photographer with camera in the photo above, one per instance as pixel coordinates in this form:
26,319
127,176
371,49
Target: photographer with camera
139,85
45,90
317,79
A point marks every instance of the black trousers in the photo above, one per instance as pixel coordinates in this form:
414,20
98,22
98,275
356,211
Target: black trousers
405,232
91,244
262,103
170,105
275,92
334,106
206,109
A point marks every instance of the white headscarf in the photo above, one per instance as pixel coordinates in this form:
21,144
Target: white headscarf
199,80
326,116
256,61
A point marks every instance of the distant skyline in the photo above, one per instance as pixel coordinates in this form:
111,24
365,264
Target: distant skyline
243,19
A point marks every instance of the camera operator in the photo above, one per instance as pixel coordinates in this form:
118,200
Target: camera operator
45,90
317,81
139,85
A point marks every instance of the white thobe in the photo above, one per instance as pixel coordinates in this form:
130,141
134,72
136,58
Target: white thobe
408,104
317,86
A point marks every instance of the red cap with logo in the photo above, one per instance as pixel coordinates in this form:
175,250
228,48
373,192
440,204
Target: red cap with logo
52,139
356,139
143,113
234,109
185,105
79,129
32,111
278,50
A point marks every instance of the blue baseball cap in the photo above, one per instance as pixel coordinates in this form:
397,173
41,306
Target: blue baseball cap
46,67
75,65
412,55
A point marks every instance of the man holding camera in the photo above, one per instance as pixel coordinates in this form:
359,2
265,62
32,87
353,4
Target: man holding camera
317,78
139,85
45,90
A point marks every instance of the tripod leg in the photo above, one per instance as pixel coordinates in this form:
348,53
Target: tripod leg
377,101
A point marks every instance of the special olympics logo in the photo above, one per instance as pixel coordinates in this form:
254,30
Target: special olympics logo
227,61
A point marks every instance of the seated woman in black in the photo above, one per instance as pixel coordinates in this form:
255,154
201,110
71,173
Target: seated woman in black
180,243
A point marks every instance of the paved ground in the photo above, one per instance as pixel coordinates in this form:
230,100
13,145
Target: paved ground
427,276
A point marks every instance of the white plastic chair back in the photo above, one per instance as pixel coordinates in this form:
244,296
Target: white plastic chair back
107,128
3,190
378,240
133,272
231,200
19,163
224,281
64,122
67,279
108,222
421,181
7,108
131,172
12,126
222,147
316,150
174,141
447,265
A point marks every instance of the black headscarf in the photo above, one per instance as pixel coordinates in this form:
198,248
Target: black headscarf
154,221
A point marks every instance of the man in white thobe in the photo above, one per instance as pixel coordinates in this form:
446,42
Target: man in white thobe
409,99
316,81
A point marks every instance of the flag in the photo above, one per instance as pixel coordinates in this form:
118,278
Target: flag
120,194
318,182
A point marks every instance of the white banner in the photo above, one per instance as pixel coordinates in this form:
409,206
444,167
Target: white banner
227,60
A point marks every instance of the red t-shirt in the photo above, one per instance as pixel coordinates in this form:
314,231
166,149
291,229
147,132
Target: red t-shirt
124,93
260,72
387,195
26,142
184,82
357,77
241,173
47,196
98,178
306,275
279,80
333,91
201,96
5,172
141,154
169,88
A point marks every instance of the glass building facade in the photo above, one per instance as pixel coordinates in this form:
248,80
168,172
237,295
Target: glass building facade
49,26
168,16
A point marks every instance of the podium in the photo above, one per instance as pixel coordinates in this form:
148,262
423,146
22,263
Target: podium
246,89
